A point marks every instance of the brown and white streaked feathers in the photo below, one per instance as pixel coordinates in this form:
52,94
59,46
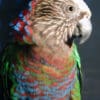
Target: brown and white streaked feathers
56,21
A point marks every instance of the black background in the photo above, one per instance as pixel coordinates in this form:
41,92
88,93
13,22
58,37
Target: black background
89,52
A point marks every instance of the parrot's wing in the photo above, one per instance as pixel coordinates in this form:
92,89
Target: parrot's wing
78,60
4,65
77,87
9,54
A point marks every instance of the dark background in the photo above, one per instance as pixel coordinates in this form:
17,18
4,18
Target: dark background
89,51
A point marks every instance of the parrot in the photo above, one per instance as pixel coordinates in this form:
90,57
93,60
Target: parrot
42,61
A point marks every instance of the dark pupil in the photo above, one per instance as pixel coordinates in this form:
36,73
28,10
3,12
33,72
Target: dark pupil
71,8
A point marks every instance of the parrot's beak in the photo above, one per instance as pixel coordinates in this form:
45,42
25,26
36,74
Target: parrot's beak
84,29
84,26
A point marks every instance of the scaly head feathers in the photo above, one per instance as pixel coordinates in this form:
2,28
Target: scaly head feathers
54,22
60,20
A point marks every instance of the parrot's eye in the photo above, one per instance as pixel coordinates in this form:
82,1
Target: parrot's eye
70,8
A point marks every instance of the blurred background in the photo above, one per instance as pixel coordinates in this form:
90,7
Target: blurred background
89,51
90,56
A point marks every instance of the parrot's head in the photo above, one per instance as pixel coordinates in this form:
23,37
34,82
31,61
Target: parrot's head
61,20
